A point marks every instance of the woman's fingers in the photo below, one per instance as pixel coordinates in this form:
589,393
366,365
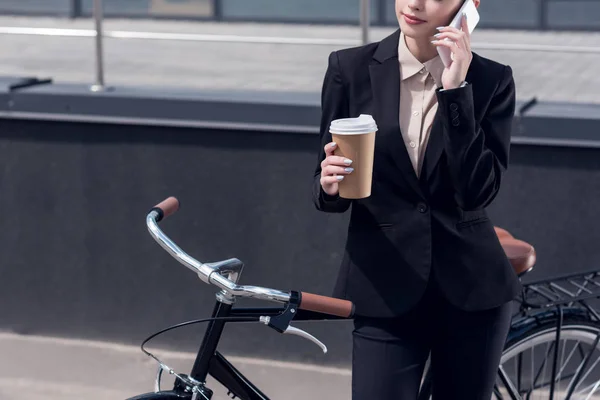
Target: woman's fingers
453,36
456,37
335,160
330,180
330,148
458,53
331,170
446,43
448,29
465,26
330,158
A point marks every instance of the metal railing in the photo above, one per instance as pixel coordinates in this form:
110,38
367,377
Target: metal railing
365,19
365,7
99,35
98,18
194,37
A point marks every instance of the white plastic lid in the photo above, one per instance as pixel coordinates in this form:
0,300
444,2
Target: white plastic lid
354,126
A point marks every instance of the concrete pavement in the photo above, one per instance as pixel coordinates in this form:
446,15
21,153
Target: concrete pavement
36,367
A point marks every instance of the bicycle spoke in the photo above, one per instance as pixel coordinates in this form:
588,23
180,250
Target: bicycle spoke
593,391
586,375
568,358
581,352
542,371
508,384
562,359
518,368
556,350
532,368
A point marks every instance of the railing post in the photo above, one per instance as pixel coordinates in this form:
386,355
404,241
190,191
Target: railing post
217,10
98,17
365,19
381,8
543,15
75,9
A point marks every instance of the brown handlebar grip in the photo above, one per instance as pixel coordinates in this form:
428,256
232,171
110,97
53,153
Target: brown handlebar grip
326,305
167,207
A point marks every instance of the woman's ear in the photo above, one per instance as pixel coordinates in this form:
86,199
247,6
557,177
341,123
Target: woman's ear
477,2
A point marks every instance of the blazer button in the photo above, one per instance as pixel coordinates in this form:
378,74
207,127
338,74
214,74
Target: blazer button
455,122
453,107
422,207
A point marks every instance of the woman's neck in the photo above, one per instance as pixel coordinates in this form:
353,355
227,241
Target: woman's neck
422,49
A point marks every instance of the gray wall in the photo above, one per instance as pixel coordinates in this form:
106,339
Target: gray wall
76,260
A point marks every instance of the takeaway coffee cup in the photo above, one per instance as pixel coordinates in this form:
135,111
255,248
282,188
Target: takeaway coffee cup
355,138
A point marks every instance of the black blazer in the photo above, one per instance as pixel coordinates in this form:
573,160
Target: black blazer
410,228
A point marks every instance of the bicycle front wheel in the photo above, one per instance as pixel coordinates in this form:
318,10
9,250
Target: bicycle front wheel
528,365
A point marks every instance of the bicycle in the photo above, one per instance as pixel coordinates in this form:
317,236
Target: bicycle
549,311
298,306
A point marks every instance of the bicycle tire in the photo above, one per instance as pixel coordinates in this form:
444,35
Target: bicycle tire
574,328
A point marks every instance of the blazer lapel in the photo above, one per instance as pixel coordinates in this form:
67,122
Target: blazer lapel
385,84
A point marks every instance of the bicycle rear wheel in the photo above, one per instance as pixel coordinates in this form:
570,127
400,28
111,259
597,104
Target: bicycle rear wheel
527,363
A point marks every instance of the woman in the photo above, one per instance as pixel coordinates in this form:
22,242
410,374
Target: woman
422,262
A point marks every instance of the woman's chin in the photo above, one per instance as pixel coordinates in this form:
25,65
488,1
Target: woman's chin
414,31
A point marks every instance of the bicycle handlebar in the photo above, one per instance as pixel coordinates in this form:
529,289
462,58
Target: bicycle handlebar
224,274
326,305
166,208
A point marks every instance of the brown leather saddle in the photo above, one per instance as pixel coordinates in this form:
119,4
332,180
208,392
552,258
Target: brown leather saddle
521,254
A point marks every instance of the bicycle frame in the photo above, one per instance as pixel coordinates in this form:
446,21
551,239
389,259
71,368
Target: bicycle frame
210,362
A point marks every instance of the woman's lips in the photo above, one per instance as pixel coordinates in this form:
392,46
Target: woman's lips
412,20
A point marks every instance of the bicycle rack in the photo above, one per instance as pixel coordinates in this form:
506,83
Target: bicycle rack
561,291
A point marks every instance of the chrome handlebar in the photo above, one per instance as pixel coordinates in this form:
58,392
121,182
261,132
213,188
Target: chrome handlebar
223,274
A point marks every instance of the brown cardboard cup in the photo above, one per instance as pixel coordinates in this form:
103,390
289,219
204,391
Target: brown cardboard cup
355,138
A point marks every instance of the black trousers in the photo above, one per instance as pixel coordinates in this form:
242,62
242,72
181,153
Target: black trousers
389,355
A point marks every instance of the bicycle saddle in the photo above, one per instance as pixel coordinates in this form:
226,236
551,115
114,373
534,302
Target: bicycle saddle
521,254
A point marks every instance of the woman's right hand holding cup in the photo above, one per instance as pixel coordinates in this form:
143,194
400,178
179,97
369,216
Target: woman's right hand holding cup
333,170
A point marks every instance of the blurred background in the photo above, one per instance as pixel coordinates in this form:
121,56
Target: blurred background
107,107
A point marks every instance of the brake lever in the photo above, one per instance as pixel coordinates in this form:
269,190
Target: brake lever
290,330
281,322
299,332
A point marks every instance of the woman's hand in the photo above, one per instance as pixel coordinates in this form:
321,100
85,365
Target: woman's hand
333,170
460,46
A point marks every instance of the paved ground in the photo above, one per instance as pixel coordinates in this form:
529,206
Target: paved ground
555,76
34,368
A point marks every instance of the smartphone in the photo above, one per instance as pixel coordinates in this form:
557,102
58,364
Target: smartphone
469,9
